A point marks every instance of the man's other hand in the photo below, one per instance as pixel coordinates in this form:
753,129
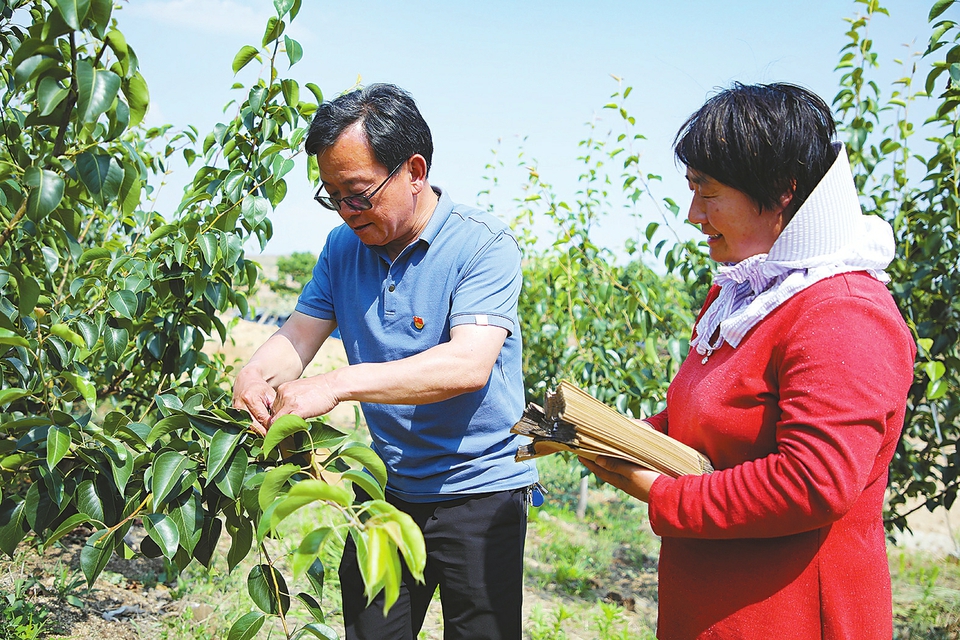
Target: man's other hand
253,394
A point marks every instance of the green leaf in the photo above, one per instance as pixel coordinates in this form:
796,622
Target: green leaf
208,247
29,295
96,90
121,464
305,554
51,259
934,370
65,527
88,501
163,530
936,389
222,446
84,387
118,42
255,209
49,95
246,627
273,482
306,492
123,302
365,481
160,232
58,445
320,630
241,541
274,30
73,12
373,558
315,574
294,52
46,191
268,590
12,525
95,554
138,97
938,8
312,605
243,57
207,544
94,253
368,458
15,461
65,333
115,340
9,395
230,478
281,428
89,331
188,515
258,95
102,176
409,541
170,475
9,337
315,90
100,11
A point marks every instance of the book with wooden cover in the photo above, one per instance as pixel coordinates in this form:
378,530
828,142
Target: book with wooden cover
573,420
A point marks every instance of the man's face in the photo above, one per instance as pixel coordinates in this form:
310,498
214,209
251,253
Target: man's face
350,167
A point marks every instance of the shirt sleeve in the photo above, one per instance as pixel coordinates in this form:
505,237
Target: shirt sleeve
843,368
488,290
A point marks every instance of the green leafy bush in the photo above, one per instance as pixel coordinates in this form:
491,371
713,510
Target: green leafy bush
916,187
112,414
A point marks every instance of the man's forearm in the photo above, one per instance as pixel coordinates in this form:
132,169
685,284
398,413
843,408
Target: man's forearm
276,361
435,375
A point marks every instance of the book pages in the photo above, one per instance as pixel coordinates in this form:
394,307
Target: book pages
573,420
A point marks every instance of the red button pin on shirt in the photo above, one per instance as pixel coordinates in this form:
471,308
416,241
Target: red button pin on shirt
418,322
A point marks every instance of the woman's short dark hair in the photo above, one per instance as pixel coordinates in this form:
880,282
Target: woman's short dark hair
761,139
393,124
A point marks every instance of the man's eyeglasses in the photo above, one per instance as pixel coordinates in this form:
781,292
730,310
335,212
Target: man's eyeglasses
359,202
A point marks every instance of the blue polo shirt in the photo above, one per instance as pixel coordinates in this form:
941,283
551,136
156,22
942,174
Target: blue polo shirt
464,269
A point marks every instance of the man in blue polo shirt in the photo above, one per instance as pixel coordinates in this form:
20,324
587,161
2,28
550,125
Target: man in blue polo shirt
424,292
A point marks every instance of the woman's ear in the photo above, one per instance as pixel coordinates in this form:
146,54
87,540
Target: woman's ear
785,202
417,172
787,196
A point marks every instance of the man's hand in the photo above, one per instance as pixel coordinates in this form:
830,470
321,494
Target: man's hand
253,394
305,397
626,476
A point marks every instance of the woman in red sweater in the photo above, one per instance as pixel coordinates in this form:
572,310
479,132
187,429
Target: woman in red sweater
795,387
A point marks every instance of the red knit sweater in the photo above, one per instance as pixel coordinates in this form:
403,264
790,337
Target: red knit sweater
801,420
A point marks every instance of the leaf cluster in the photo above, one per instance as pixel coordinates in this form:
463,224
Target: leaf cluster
112,412
916,187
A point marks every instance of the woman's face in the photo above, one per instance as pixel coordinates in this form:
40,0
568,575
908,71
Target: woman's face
736,227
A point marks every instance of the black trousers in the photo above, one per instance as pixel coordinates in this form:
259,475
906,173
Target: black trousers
474,555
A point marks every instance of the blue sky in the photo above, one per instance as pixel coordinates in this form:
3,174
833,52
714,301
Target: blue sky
500,71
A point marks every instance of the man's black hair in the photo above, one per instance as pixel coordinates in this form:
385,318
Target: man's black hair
393,124
760,139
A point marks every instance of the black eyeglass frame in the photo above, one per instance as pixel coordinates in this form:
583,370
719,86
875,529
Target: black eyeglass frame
356,202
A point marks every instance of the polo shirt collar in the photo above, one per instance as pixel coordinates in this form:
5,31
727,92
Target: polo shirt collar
437,219
440,214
